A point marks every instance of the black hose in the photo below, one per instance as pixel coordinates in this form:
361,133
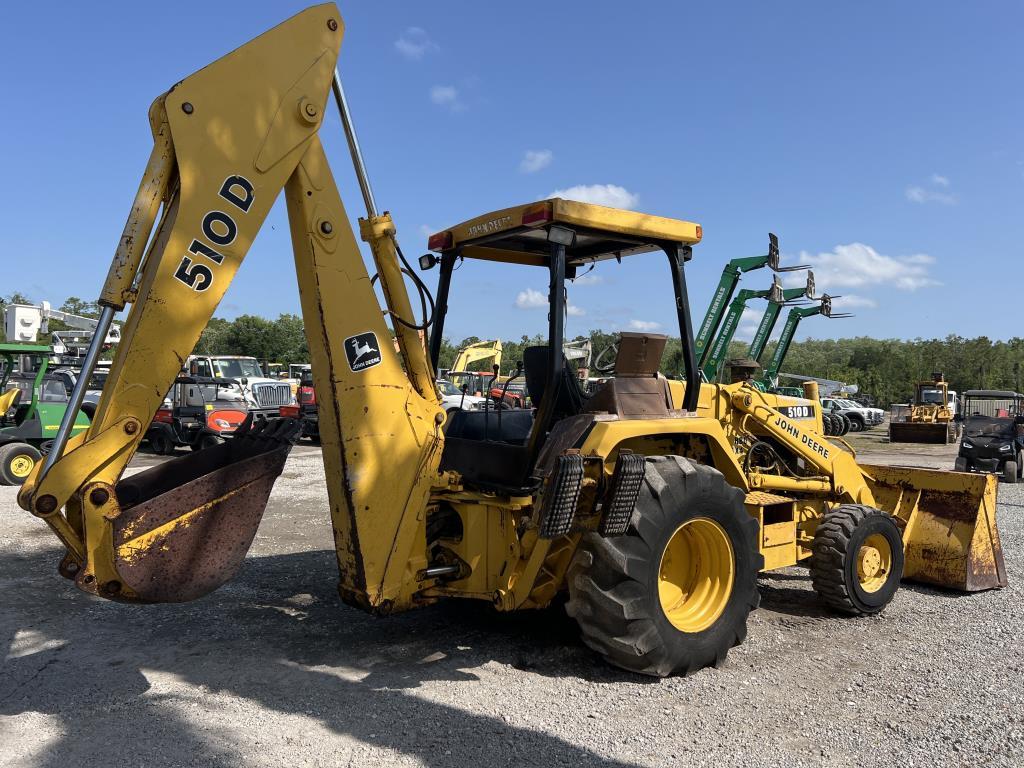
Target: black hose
421,288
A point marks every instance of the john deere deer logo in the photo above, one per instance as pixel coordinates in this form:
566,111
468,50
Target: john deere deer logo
362,351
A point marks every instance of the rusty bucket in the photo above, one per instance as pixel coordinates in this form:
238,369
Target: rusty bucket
185,526
950,538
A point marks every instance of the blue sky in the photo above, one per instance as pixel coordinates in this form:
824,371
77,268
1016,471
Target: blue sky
881,141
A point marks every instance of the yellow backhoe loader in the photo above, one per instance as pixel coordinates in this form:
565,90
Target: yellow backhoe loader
477,380
929,418
653,505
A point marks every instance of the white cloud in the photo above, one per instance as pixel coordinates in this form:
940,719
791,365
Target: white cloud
936,191
643,325
849,301
588,280
857,265
611,195
531,299
749,321
414,44
573,311
447,96
535,160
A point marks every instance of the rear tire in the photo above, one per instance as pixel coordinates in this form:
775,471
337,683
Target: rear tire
857,559
1010,472
646,601
17,460
846,425
160,444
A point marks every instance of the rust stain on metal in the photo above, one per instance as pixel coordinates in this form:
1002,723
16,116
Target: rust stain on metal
186,525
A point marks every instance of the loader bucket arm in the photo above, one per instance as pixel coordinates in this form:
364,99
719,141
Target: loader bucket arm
948,519
227,140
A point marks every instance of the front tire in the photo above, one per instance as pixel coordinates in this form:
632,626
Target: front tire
857,559
672,594
17,460
960,464
1010,472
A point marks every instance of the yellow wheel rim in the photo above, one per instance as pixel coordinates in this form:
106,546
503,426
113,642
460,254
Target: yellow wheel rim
21,465
696,575
874,562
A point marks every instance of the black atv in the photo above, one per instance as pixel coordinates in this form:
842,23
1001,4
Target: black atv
993,434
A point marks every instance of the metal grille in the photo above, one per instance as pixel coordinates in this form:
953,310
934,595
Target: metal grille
625,488
270,395
561,497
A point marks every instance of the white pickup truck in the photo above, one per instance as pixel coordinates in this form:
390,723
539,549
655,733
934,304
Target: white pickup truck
861,417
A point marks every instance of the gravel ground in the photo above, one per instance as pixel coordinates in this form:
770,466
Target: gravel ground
273,670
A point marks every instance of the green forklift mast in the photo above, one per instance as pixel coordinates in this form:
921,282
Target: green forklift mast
713,357
771,316
727,287
796,314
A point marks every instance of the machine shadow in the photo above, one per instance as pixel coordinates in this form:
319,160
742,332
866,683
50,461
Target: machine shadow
280,637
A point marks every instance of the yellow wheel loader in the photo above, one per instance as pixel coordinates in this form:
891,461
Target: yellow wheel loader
652,505
929,418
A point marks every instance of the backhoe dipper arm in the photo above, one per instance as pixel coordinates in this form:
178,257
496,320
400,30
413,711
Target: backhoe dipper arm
227,140
482,350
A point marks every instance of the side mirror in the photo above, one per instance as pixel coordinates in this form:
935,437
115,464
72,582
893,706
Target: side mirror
194,397
465,388
245,381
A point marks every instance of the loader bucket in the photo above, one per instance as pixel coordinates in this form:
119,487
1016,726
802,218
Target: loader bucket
950,537
936,433
186,525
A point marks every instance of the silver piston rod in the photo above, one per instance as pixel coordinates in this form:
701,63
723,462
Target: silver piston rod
67,422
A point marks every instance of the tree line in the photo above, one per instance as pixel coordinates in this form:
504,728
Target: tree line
884,369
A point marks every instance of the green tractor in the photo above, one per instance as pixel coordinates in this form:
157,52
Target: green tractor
32,405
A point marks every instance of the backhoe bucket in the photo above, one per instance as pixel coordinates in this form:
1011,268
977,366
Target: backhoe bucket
936,433
950,537
186,525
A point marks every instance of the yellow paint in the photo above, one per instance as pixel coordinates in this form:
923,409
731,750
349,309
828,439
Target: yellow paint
695,578
254,115
874,562
21,465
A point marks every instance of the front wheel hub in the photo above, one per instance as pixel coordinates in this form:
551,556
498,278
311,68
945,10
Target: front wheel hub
874,562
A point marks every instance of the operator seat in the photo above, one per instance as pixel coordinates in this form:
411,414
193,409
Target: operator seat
9,399
569,399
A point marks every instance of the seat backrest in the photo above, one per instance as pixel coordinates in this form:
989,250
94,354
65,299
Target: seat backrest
569,399
9,399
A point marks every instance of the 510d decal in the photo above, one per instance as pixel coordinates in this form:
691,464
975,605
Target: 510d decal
220,230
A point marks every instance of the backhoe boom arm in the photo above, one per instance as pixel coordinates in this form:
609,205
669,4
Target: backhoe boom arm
227,140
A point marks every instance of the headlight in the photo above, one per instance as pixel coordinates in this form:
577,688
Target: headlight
222,423
1005,447
966,444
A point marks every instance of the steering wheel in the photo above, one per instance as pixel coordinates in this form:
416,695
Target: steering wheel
602,363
